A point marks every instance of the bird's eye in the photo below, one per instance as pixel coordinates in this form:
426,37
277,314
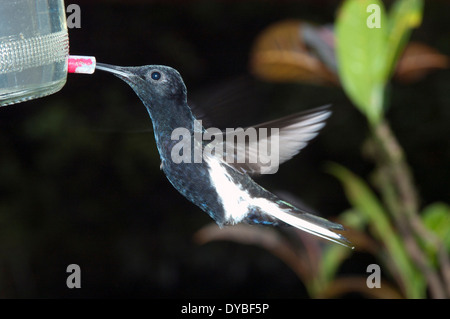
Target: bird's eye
155,75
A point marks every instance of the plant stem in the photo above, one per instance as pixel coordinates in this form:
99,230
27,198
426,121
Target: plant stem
401,197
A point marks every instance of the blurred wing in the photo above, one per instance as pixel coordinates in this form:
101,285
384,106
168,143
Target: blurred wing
260,149
217,104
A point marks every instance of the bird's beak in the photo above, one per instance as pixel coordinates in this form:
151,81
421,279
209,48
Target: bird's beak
119,71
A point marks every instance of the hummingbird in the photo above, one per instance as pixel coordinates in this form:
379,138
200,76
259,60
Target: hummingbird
222,188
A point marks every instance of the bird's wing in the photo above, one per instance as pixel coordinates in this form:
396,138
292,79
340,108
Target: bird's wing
260,149
217,104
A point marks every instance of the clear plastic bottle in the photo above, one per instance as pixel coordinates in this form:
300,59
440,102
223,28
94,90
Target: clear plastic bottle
34,46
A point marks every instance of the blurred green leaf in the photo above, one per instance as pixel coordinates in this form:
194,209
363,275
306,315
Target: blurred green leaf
334,255
403,16
360,55
367,52
332,258
436,218
353,219
364,200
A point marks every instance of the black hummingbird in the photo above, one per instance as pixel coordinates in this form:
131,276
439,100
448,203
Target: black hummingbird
223,188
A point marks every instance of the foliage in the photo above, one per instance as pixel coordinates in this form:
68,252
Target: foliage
367,55
367,58
412,244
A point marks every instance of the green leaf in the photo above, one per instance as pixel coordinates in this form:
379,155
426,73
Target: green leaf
368,46
364,200
332,258
403,16
334,255
436,218
354,219
360,53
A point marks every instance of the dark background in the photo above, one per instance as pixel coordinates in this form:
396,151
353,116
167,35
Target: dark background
79,170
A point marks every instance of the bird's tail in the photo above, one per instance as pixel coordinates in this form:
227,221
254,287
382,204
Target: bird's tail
312,224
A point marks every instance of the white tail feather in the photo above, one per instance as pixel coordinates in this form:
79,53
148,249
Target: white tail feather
309,226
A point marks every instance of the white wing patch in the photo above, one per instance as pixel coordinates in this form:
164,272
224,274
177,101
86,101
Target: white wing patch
235,200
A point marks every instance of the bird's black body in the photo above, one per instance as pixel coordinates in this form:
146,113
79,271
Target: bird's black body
225,191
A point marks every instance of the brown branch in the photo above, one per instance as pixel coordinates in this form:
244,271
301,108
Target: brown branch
266,238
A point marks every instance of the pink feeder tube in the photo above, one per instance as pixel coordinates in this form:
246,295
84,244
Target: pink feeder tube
81,64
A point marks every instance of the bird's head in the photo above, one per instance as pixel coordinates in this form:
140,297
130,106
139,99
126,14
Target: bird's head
154,84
